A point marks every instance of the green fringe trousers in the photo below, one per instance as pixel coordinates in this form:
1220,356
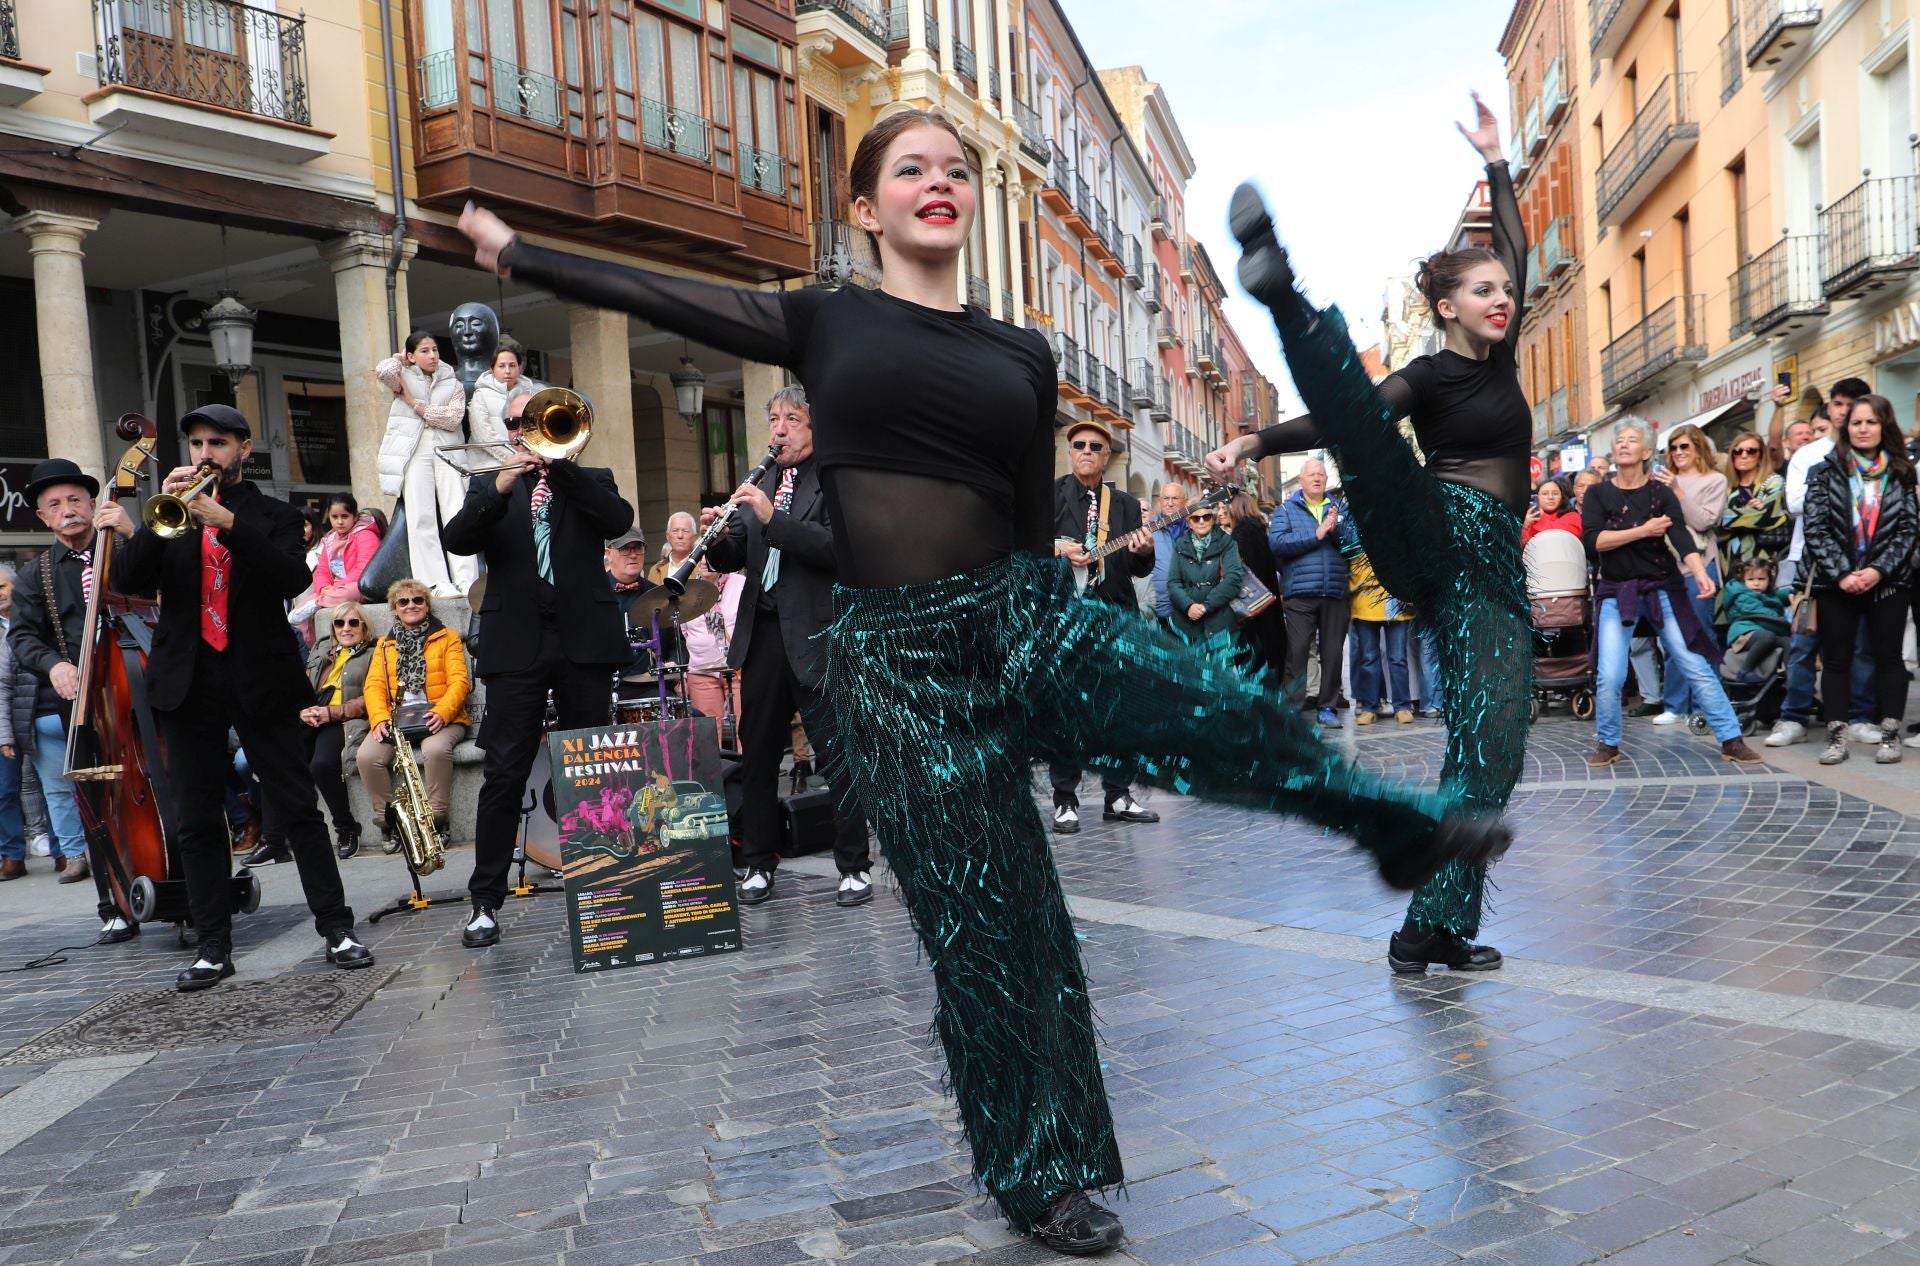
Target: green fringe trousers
1454,553
942,695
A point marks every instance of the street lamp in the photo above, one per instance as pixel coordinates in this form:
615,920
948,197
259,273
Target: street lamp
689,390
230,327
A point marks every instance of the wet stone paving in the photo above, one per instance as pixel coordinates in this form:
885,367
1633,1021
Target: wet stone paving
1705,1049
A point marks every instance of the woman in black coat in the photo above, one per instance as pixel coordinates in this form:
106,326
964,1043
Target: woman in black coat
1265,635
1861,523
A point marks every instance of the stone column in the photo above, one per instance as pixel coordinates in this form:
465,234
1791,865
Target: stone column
359,263
66,343
603,373
994,207
758,382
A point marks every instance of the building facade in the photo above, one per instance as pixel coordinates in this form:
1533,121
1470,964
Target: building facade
1545,160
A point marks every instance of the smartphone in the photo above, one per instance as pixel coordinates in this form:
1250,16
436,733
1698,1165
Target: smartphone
1786,380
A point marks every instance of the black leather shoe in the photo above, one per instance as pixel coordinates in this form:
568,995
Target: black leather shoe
1127,809
268,853
1648,710
117,930
1469,837
347,841
204,974
1408,954
346,953
483,929
1077,1226
756,887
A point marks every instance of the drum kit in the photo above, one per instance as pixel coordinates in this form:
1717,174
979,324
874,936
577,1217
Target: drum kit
653,627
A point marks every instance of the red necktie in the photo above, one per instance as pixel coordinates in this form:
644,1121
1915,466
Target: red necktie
216,569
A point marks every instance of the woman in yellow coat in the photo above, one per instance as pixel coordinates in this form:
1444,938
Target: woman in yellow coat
419,675
1377,614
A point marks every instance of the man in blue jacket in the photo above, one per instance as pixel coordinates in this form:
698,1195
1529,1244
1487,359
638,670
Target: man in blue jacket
1305,535
1173,501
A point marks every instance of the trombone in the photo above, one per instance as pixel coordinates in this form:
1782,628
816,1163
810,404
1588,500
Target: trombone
555,426
165,513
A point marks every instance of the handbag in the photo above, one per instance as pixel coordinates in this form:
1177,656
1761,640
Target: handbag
410,719
1253,598
1806,618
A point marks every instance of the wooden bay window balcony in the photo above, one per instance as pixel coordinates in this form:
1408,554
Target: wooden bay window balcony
639,125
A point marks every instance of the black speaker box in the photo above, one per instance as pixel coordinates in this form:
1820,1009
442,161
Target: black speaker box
806,820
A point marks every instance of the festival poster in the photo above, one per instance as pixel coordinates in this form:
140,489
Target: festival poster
643,843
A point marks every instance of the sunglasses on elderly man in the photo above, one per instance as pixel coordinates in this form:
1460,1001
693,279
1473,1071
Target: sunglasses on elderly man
1088,446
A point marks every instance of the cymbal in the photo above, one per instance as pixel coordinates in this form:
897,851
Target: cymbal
701,597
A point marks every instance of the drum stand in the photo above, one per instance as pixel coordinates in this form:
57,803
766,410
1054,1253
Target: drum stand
521,887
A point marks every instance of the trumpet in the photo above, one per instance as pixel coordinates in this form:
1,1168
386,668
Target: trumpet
165,513
555,427
675,581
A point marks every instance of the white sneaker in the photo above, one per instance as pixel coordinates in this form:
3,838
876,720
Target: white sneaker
1670,718
1864,732
40,846
1786,733
1912,740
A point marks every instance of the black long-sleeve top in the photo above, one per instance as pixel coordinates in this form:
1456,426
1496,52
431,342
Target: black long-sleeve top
933,429
1470,416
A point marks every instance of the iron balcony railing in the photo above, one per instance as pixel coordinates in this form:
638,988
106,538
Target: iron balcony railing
1733,59
1060,172
1113,396
762,170
1100,229
1140,382
1536,134
1186,261
1070,362
839,255
1672,334
1157,219
979,293
1167,335
1082,195
1161,409
1770,27
9,32
213,52
1007,312
1556,248
963,61
1665,120
1553,91
1033,132
1093,367
1778,284
898,29
993,81
863,16
1602,15
1135,275
1150,287
528,93
1870,233
677,131
933,30
440,79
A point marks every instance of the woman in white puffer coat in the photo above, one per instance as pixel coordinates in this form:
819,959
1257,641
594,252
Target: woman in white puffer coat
492,391
428,406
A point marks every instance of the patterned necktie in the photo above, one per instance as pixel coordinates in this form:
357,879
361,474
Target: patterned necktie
543,529
782,501
86,575
216,569
1093,531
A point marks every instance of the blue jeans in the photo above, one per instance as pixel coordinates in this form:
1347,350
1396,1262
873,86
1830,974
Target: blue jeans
13,836
50,762
1676,694
1432,693
1368,689
1802,652
1681,662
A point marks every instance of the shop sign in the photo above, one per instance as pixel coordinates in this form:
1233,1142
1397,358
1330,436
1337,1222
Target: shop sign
16,514
1736,382
1897,331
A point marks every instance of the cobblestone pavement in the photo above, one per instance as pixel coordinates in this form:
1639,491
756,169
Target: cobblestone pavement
1705,1050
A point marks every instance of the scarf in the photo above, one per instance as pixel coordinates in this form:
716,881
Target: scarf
1867,480
412,645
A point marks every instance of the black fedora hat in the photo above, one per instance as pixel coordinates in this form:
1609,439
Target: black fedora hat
58,470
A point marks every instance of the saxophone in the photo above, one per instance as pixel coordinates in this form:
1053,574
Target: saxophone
426,852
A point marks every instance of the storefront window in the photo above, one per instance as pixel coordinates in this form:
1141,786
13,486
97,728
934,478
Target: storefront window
317,427
726,440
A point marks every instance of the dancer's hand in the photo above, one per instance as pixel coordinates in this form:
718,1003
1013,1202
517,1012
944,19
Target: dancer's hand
1485,134
489,235
1223,463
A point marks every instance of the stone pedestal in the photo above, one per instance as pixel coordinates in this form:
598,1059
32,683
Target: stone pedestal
359,262
603,373
66,344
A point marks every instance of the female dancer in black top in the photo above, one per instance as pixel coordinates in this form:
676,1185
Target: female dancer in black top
959,652
1445,538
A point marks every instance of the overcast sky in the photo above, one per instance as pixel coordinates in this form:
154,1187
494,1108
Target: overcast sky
1343,111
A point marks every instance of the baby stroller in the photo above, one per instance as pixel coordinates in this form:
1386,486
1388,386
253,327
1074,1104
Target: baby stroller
1562,610
1755,678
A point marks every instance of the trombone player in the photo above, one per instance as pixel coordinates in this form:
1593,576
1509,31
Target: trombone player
550,616
224,558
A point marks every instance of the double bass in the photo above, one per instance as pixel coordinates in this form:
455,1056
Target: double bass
114,757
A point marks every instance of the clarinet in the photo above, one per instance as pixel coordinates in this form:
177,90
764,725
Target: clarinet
676,580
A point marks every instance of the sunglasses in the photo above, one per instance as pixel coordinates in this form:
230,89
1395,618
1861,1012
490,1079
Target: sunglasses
1199,518
1746,452
409,602
348,623
1677,445
1089,446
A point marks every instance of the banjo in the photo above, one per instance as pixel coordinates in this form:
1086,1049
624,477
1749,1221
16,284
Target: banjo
1217,495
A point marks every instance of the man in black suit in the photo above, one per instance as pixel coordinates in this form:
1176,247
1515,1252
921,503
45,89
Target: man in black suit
1087,513
223,655
783,546
552,623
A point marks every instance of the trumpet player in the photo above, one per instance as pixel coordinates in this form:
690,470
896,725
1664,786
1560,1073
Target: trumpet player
552,623
782,545
223,657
